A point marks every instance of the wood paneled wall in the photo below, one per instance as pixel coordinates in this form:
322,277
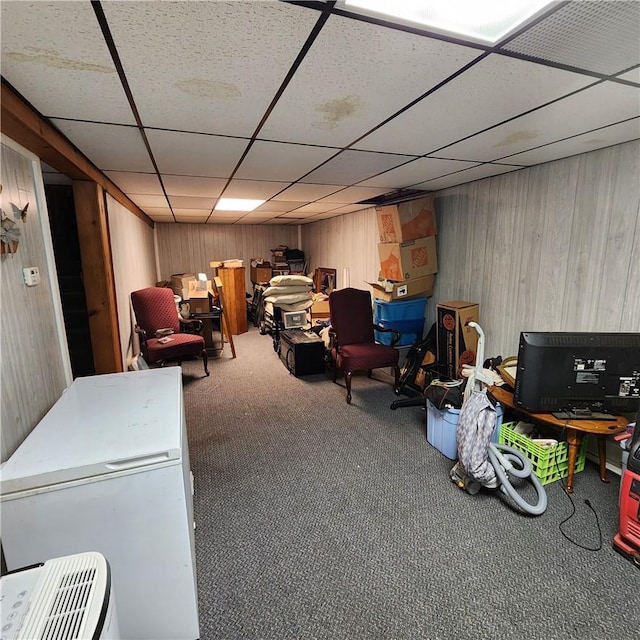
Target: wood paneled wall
189,248
35,362
552,247
133,254
349,244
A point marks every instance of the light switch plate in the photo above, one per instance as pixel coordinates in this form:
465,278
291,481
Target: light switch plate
31,276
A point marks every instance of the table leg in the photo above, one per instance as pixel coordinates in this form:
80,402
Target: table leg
602,456
574,439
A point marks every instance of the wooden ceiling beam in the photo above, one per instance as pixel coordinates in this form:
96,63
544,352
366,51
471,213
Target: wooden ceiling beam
22,123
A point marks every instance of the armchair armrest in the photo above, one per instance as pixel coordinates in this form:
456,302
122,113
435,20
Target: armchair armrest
396,337
191,325
142,333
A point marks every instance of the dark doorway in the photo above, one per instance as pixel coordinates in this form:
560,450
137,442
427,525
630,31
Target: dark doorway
66,248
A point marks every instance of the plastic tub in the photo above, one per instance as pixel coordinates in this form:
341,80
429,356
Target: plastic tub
405,316
442,425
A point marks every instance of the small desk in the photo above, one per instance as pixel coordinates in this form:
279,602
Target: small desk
575,432
213,348
207,332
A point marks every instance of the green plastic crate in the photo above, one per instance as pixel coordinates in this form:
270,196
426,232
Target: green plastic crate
548,463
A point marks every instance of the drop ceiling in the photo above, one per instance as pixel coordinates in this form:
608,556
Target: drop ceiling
310,107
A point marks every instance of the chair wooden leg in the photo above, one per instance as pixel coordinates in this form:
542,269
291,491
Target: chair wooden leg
335,372
347,379
205,361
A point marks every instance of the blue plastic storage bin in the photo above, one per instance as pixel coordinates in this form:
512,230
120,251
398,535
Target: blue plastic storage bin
406,316
442,425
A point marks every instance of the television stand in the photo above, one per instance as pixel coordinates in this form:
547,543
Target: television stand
582,414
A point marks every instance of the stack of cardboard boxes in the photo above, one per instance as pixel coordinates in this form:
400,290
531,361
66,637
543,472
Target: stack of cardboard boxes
407,250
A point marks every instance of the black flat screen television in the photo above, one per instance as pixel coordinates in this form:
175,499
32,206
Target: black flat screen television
578,375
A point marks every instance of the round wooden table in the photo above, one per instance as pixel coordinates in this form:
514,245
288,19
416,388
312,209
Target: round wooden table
575,432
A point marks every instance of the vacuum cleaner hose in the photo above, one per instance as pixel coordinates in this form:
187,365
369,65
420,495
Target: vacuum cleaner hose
501,457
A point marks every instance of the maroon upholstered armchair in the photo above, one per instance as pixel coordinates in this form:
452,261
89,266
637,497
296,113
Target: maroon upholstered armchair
353,346
157,318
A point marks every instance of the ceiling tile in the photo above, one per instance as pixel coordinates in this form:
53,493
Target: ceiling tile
109,147
54,54
495,89
279,221
416,171
191,202
354,194
354,166
468,175
228,214
131,182
313,207
279,161
336,95
157,218
190,186
277,205
158,212
631,76
300,214
306,192
207,57
598,36
201,214
255,189
191,219
193,154
598,106
584,143
325,216
143,200
253,217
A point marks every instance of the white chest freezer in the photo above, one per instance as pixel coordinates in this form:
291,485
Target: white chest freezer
107,470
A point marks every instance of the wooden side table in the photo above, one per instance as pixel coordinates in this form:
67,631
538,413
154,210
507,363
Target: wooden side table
575,432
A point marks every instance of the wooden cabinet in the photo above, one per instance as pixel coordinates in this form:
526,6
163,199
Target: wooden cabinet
234,297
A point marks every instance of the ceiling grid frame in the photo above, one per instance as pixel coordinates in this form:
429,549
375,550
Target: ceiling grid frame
190,167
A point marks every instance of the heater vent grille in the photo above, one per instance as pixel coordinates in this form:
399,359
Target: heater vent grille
68,593
69,605
597,36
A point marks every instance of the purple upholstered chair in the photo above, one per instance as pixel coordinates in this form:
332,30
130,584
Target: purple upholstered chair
353,347
155,309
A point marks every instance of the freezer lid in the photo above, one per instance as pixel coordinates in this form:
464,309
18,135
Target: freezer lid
102,424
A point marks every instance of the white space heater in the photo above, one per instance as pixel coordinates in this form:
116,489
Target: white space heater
67,598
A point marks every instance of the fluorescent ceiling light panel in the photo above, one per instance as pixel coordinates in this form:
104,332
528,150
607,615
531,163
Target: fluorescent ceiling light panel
237,204
486,21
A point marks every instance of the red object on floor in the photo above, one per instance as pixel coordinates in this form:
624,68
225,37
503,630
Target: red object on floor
627,540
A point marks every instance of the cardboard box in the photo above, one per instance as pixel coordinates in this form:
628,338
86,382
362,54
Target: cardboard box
456,342
407,220
408,260
320,310
260,274
388,291
179,284
200,300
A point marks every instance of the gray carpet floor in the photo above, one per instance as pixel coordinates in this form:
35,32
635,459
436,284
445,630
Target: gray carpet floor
320,520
